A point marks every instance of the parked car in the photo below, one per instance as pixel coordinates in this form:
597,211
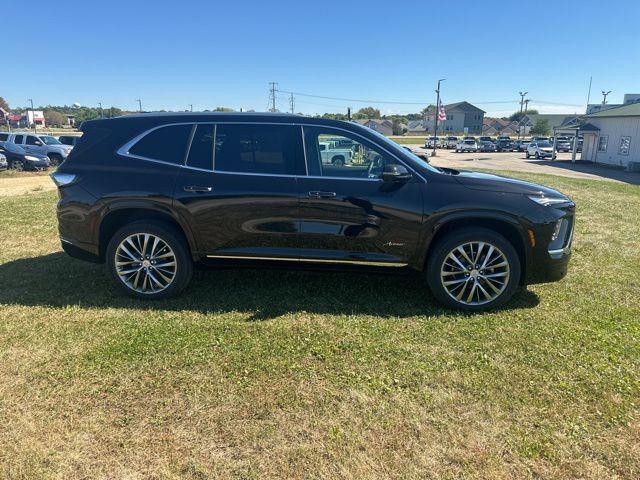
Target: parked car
485,146
450,142
71,140
245,188
42,145
539,139
504,145
431,141
469,138
520,145
563,144
486,139
19,159
504,137
467,146
3,162
540,149
332,153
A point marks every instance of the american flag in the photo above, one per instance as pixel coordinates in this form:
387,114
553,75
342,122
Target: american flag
442,115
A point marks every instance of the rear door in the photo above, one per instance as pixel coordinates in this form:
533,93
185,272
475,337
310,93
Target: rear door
239,191
347,213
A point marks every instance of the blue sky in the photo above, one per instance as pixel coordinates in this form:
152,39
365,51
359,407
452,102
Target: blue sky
214,53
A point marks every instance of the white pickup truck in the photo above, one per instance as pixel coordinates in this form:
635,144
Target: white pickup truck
332,154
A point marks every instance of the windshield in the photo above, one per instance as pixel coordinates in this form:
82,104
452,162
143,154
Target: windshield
49,140
396,148
544,144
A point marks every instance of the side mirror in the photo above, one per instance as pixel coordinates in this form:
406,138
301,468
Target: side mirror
38,143
395,173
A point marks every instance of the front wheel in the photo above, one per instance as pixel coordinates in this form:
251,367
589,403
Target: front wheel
473,269
526,155
17,165
537,156
55,159
149,260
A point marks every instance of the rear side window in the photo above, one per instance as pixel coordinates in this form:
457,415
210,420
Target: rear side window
201,151
18,139
250,148
167,144
4,137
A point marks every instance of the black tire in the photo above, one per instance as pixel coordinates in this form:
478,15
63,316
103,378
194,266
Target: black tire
16,165
338,161
56,159
526,155
537,156
439,252
173,238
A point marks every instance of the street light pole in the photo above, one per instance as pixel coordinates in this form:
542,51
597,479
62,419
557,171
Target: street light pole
604,96
33,116
435,128
522,95
101,112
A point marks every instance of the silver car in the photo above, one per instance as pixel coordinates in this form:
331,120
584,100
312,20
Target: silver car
540,149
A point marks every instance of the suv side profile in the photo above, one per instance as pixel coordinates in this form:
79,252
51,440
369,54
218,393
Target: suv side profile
42,145
152,194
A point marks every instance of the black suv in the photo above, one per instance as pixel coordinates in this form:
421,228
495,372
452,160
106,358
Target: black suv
152,194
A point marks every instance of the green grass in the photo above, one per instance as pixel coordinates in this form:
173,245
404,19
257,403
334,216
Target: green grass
409,140
277,374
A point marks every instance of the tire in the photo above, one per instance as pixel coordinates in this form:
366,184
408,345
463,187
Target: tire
179,274
16,165
440,266
338,161
56,159
537,156
526,155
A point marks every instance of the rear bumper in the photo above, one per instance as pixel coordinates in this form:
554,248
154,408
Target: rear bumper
79,252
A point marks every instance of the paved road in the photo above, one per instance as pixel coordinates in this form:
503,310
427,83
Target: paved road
516,161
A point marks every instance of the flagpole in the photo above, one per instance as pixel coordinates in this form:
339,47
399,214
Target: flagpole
435,129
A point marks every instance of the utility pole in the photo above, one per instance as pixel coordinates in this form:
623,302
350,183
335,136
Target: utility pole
139,105
589,93
604,96
348,114
101,112
33,116
435,128
191,107
522,95
272,95
292,103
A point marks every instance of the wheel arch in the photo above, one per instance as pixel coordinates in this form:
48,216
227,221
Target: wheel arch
119,215
503,224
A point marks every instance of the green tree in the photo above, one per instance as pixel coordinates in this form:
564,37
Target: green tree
4,104
223,109
55,118
398,127
541,127
367,112
517,116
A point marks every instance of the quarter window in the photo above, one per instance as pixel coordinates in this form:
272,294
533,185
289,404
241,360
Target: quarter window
333,154
167,144
257,148
602,143
201,151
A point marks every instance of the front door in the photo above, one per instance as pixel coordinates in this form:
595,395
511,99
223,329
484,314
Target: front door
347,213
239,191
33,144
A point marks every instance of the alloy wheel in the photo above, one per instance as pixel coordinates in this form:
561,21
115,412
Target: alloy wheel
145,263
475,273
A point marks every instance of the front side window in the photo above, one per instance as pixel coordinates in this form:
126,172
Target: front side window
335,153
31,140
166,144
625,145
602,143
257,148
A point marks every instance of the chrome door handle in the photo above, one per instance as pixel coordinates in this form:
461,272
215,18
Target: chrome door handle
318,194
197,189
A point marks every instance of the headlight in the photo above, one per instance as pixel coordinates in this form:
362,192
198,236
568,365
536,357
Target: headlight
31,158
547,201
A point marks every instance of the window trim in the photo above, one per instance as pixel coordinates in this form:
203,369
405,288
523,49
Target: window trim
124,150
606,144
622,139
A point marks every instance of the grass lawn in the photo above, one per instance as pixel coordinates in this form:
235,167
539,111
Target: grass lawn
409,140
277,374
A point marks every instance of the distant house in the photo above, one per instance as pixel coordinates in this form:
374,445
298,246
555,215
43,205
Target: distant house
555,120
612,136
499,126
416,127
385,127
462,117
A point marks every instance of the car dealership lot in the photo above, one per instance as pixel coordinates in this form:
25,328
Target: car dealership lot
263,373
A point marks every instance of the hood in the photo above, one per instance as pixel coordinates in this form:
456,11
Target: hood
496,183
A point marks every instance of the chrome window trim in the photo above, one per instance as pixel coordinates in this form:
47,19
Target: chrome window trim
124,150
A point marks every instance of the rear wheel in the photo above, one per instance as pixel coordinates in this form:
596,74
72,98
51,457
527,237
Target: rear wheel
149,260
17,165
338,161
473,269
